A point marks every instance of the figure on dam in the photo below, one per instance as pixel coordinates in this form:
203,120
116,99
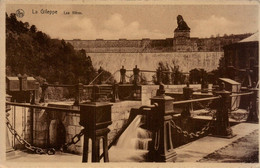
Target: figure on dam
182,25
122,73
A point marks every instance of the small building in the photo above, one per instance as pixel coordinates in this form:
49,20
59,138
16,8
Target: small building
242,59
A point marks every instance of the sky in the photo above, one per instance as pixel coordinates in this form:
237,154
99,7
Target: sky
138,21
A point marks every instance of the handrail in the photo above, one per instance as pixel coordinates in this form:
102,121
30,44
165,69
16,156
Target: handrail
194,93
42,107
111,75
95,78
241,94
58,85
195,100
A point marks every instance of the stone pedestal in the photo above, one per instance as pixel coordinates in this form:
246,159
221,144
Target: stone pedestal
162,147
182,33
95,117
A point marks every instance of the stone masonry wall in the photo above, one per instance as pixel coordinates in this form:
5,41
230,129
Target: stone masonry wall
120,115
48,121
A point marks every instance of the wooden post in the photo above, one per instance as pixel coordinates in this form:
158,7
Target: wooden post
162,147
95,117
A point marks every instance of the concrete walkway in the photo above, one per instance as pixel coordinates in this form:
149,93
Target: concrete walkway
196,150
190,152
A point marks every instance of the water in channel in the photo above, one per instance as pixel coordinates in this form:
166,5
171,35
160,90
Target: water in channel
132,145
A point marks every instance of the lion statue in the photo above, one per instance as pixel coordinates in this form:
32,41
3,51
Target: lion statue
182,25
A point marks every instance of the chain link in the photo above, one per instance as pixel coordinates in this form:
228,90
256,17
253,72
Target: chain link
192,134
238,117
38,150
74,140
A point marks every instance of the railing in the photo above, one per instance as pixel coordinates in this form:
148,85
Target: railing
96,77
160,119
87,120
196,100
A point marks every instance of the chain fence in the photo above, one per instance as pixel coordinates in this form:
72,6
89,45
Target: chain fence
192,135
38,150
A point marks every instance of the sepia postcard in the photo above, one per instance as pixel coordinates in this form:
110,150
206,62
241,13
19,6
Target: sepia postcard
129,83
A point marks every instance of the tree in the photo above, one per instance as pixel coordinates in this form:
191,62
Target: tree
35,53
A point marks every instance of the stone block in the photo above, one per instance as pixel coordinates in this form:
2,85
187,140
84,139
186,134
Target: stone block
71,130
77,120
41,126
40,135
72,120
78,149
40,143
69,120
72,148
119,124
70,114
114,116
68,137
78,129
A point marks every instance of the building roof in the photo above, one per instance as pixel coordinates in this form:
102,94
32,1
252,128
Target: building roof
253,38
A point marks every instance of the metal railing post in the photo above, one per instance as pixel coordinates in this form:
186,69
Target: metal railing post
187,95
78,92
253,108
162,146
222,126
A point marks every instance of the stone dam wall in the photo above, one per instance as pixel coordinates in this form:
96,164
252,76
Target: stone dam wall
149,61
